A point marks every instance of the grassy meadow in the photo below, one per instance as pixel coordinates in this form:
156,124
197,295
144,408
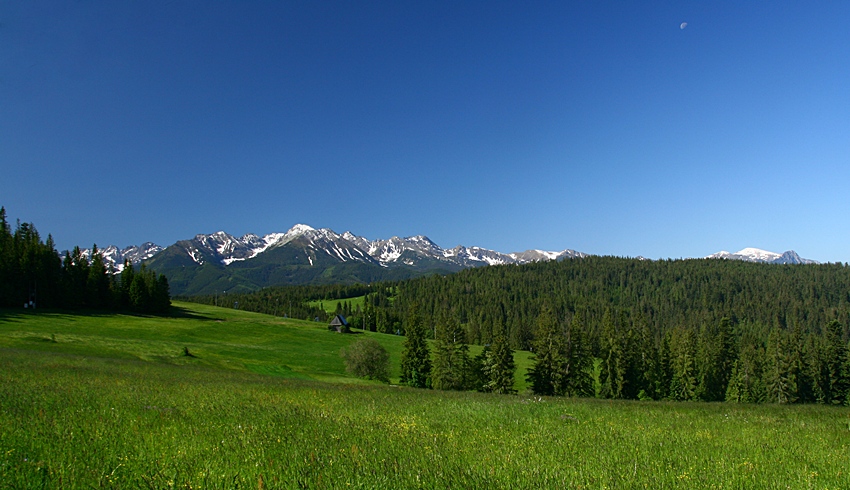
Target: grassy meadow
111,401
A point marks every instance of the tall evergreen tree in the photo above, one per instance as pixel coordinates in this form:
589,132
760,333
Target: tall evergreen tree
451,368
415,356
834,360
577,366
683,381
544,376
98,287
7,260
499,367
715,357
75,271
612,377
745,381
779,378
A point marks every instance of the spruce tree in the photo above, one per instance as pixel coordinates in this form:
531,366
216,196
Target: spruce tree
745,380
544,376
451,368
612,376
415,356
683,382
97,282
577,365
834,358
499,367
7,259
779,379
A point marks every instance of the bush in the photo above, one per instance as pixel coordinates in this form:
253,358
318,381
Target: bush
366,358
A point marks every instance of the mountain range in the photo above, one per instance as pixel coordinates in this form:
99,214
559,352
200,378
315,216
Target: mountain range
217,262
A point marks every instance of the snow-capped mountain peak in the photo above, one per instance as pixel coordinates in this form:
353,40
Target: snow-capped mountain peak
751,254
758,255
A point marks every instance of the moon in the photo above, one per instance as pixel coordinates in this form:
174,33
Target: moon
683,25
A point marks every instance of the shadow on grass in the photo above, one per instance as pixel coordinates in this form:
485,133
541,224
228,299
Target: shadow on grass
18,314
180,312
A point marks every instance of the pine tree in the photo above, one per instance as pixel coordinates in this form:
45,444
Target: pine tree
140,290
415,356
7,259
161,295
715,356
97,281
479,375
683,382
649,361
544,375
125,281
75,271
745,380
499,367
779,379
834,358
451,368
576,369
612,377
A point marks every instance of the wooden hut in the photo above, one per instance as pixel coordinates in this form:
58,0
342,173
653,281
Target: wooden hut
339,324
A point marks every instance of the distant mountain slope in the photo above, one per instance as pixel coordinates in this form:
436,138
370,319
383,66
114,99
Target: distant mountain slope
305,255
758,255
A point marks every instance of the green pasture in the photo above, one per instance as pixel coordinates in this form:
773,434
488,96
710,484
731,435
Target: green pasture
216,337
110,401
329,305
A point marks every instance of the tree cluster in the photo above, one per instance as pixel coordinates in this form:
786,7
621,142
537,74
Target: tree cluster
450,366
32,273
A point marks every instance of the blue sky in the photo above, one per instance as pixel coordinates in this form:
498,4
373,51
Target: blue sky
600,126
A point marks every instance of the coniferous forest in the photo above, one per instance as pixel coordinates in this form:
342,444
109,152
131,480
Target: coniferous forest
34,275
700,329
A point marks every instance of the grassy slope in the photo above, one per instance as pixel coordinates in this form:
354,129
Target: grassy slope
113,403
217,337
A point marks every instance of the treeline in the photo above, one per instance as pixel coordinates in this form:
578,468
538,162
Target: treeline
34,275
704,330
665,294
698,329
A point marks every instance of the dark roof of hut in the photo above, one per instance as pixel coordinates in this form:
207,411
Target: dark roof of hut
338,320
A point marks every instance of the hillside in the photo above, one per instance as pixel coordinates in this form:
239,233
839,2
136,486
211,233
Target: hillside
112,403
217,338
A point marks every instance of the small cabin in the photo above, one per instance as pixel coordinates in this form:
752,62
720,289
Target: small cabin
339,324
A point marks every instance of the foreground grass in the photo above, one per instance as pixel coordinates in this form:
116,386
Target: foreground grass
110,401
68,421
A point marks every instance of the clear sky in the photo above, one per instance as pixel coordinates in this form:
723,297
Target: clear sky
608,127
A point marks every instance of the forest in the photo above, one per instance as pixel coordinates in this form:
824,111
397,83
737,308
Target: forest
34,275
700,329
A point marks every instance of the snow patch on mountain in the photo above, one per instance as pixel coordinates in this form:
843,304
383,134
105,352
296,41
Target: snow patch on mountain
114,256
751,254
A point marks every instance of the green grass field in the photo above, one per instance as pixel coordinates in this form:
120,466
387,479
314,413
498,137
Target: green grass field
329,305
265,403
